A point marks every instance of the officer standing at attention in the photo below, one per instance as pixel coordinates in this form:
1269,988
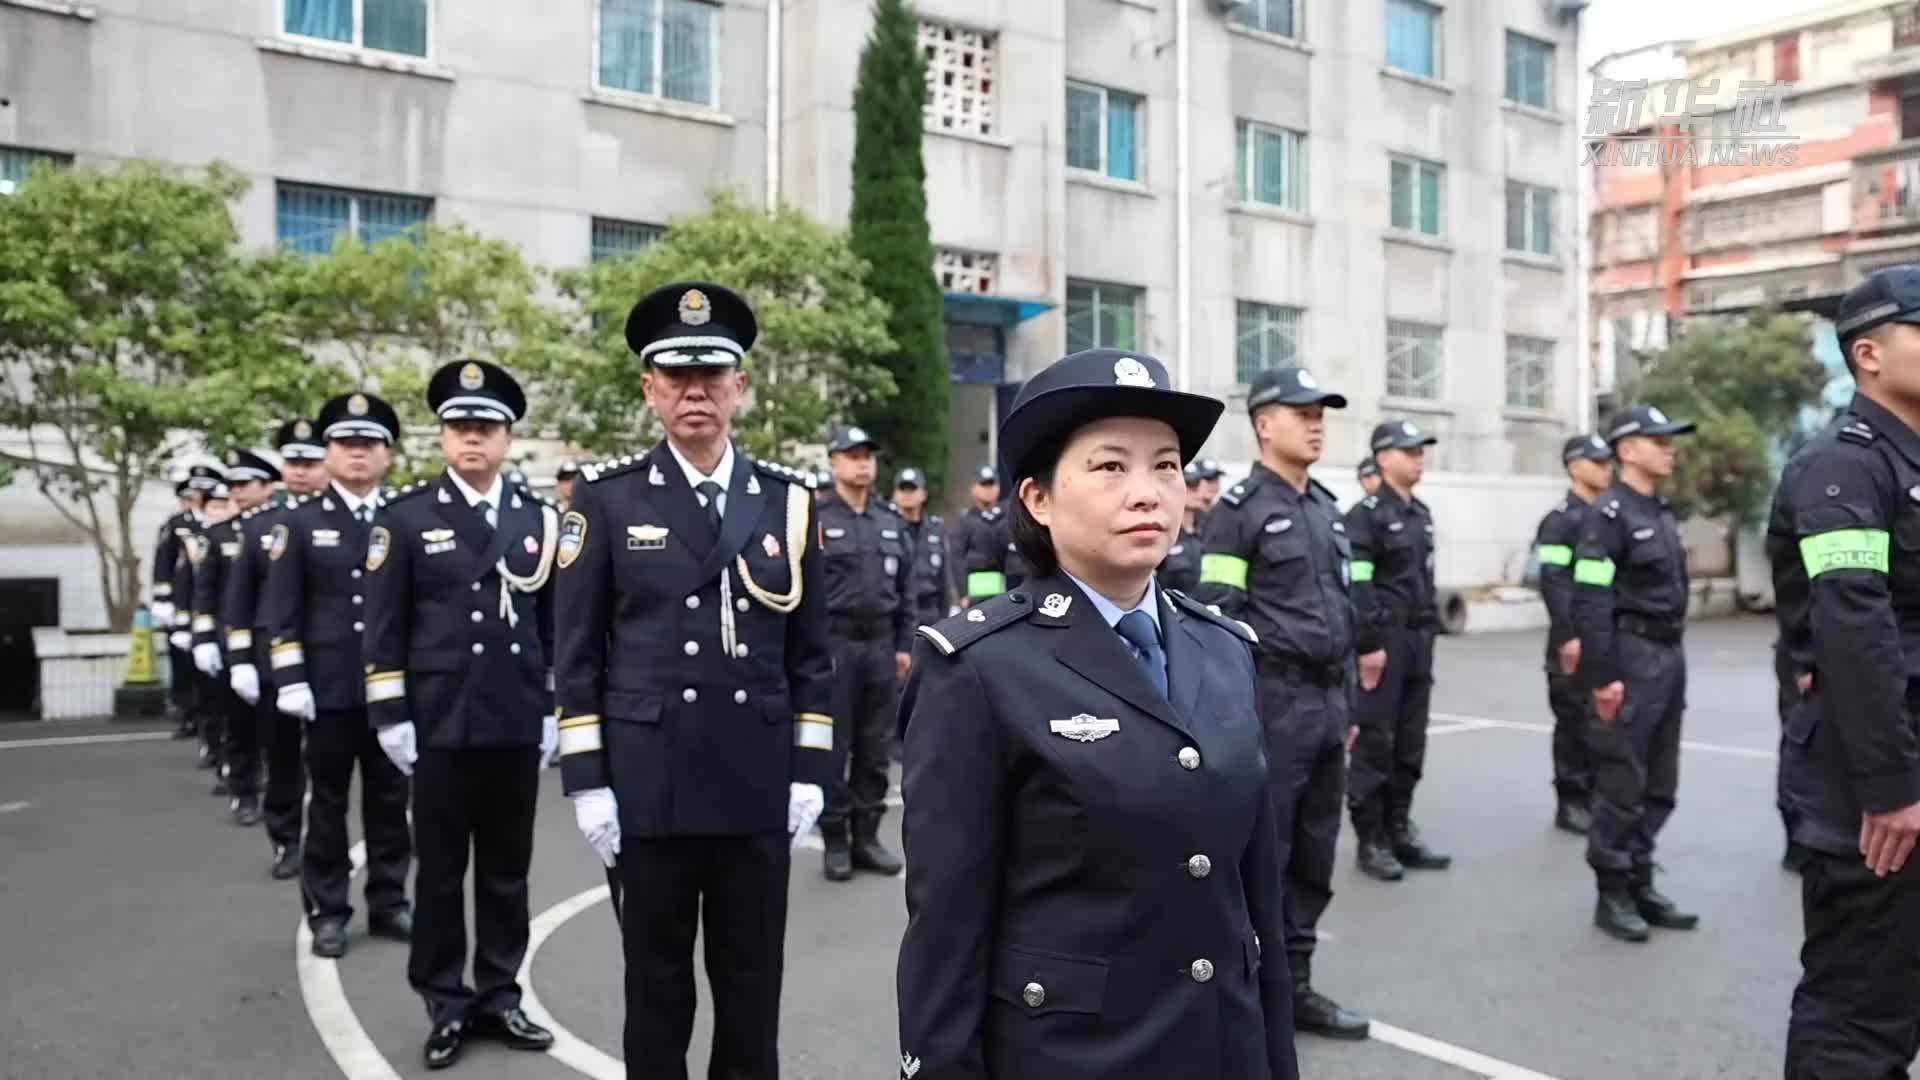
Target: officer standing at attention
459,628
250,480
563,480
1792,668
870,601
1853,497
1277,556
210,720
1209,472
1368,474
249,669
692,617
166,559
315,599
933,580
1093,867
1391,533
1630,610
1181,570
978,539
1589,464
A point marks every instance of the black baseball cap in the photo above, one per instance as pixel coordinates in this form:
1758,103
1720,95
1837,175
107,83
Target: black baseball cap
1646,420
1400,435
1888,295
849,437
910,477
1290,386
1367,467
1095,384
1586,447
986,474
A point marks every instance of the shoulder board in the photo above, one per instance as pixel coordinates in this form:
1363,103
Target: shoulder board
956,632
1212,614
611,467
1238,493
785,472
531,495
1315,485
1856,431
408,492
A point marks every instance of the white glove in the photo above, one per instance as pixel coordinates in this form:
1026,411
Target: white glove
180,639
245,680
549,739
599,819
163,613
206,657
804,803
397,741
297,700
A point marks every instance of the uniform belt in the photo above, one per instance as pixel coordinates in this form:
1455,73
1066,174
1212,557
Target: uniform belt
1664,631
1300,669
855,628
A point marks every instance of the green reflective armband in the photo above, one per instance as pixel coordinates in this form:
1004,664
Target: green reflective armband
984,583
1556,555
1362,570
1593,572
1844,549
1223,570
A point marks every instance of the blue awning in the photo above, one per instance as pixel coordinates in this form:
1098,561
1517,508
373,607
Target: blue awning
1003,311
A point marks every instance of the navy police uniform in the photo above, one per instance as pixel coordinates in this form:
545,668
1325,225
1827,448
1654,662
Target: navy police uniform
695,678
1553,544
166,608
933,588
196,544
1093,872
214,626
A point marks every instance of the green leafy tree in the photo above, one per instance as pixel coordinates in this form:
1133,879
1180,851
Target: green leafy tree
820,330
1749,383
888,224
132,330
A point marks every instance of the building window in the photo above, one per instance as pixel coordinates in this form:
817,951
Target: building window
1102,316
310,219
1273,16
1103,131
1413,37
613,239
1265,336
395,26
1529,71
1413,360
662,48
1529,373
1269,166
1529,218
16,163
1415,194
966,271
962,73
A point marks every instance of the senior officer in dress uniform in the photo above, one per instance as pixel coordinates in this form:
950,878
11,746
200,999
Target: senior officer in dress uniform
1630,608
315,613
870,603
1853,498
1391,533
1589,464
164,605
933,589
563,480
303,471
1092,860
695,677
1277,556
459,618
250,480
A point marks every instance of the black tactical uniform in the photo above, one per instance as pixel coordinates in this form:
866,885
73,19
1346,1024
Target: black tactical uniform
315,614
870,584
1277,557
933,588
1392,579
1553,544
978,546
1630,609
213,627
1181,568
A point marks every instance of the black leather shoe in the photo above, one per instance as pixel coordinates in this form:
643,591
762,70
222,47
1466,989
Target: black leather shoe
286,863
1317,1013
1413,853
514,1029
871,855
246,812
445,1044
1656,909
837,864
1573,817
1615,915
330,940
396,926
1376,861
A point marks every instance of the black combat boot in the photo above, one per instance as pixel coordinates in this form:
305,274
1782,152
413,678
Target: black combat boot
1411,851
869,853
1573,816
1374,855
837,864
1614,912
1656,909
1316,1012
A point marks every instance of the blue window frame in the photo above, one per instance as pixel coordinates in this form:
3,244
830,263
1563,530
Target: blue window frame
1413,37
311,219
395,26
16,163
613,239
1103,131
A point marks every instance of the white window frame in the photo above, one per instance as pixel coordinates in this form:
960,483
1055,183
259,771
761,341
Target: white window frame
1139,131
658,93
1135,297
359,33
1264,312
1416,165
1530,194
1257,12
1296,141
1398,332
1530,350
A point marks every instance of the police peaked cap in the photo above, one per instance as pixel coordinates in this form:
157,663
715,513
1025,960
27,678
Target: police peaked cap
182,486
244,466
691,324
1093,385
204,477
567,470
358,416
299,440
475,390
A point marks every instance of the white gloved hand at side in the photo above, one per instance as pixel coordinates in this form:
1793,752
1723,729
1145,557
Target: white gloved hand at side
245,680
162,613
804,803
297,700
397,741
598,817
180,639
549,739
206,657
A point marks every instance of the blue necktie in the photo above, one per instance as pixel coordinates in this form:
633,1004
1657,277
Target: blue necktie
1144,635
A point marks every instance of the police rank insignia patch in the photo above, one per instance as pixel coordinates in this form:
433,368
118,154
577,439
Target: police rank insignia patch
573,538
379,542
1056,605
278,547
693,308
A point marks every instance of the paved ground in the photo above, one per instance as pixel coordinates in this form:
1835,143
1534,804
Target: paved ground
144,938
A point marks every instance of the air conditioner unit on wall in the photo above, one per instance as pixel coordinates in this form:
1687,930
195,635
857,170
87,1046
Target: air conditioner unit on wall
1228,7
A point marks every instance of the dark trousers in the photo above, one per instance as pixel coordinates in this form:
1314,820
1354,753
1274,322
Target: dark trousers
1392,747
1789,697
1856,1012
483,799
280,737
1306,727
180,676
210,705
740,884
1636,758
242,742
865,694
1572,764
335,740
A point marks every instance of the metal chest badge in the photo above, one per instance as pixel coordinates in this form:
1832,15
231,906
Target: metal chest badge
1130,372
1084,727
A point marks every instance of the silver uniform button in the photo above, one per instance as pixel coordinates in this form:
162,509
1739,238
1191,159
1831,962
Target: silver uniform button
478,648
740,650
476,616
514,648
356,573
1189,758
359,626
689,695
693,602
1201,970
1199,866
741,603
358,600
476,586
1034,995
691,648
739,697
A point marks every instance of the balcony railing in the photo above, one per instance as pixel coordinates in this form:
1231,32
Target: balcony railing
1886,188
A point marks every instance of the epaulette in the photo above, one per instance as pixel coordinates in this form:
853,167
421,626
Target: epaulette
1238,493
956,632
408,492
527,493
1856,431
786,472
1612,509
600,470
1212,614
1324,490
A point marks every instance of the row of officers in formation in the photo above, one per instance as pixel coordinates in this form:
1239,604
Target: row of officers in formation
1130,715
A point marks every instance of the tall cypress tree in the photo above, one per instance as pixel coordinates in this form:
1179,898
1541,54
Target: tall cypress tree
888,228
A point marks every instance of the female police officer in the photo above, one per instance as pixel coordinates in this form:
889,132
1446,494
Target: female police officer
1092,861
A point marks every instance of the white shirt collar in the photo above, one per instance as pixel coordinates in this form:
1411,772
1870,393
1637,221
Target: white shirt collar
354,502
722,472
1110,611
474,498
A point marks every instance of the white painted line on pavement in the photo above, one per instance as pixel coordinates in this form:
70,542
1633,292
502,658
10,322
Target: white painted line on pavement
14,807
85,740
1447,1053
1477,723
332,1014
569,1049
